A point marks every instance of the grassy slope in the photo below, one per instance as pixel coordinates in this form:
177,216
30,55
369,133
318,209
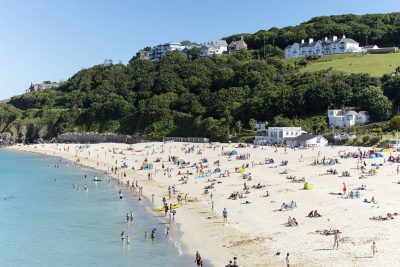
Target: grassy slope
375,65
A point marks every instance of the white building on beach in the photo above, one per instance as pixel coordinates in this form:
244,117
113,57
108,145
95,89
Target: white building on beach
274,135
322,47
306,140
339,117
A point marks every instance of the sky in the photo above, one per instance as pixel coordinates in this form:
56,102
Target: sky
53,39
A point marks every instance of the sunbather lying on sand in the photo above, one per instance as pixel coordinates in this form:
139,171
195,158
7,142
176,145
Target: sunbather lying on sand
258,186
327,232
388,216
371,201
266,195
313,214
292,222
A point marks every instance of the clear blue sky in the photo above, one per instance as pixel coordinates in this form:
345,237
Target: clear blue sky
52,39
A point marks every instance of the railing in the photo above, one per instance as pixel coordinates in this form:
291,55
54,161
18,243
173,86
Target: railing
186,139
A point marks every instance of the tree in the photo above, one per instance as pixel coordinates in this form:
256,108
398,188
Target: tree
394,124
378,105
238,127
252,124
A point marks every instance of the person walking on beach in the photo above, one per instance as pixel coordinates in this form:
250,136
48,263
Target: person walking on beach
287,261
198,259
225,215
374,249
336,240
166,232
344,189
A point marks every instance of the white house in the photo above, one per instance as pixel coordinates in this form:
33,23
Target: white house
274,135
159,51
322,47
217,47
35,87
306,140
339,117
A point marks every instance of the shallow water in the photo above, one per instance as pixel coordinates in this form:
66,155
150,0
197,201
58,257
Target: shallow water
45,222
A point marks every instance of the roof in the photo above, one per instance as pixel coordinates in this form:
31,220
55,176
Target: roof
369,46
309,44
303,137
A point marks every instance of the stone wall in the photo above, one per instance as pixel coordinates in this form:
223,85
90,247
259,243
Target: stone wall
93,138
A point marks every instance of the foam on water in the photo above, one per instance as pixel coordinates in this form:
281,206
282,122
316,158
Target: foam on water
45,222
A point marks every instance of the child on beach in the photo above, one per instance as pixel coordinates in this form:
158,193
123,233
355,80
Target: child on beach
225,215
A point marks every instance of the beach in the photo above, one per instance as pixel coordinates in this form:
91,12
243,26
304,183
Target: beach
256,232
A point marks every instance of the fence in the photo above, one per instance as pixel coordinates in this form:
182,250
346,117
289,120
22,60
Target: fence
186,139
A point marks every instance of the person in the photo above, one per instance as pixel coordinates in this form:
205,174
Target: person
198,259
128,240
146,236
127,216
225,215
166,232
122,236
344,189
212,205
120,194
229,264
374,249
336,240
287,260
235,262
131,216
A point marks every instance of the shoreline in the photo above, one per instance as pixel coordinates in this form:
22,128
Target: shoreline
192,220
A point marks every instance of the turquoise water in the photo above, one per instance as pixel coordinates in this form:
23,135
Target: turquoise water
45,222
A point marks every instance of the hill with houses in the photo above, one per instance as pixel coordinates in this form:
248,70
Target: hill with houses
184,89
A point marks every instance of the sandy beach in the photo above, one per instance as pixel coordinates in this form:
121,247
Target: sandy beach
256,231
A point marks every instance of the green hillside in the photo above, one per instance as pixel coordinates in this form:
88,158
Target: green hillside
375,65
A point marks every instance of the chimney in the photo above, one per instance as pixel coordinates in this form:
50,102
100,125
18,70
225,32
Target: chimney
302,41
344,36
326,39
241,38
310,40
334,38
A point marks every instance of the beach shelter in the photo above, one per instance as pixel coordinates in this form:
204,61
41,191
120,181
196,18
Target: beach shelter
242,170
379,155
217,170
308,186
372,156
233,152
391,158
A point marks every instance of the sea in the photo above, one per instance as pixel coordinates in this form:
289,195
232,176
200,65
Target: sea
44,221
